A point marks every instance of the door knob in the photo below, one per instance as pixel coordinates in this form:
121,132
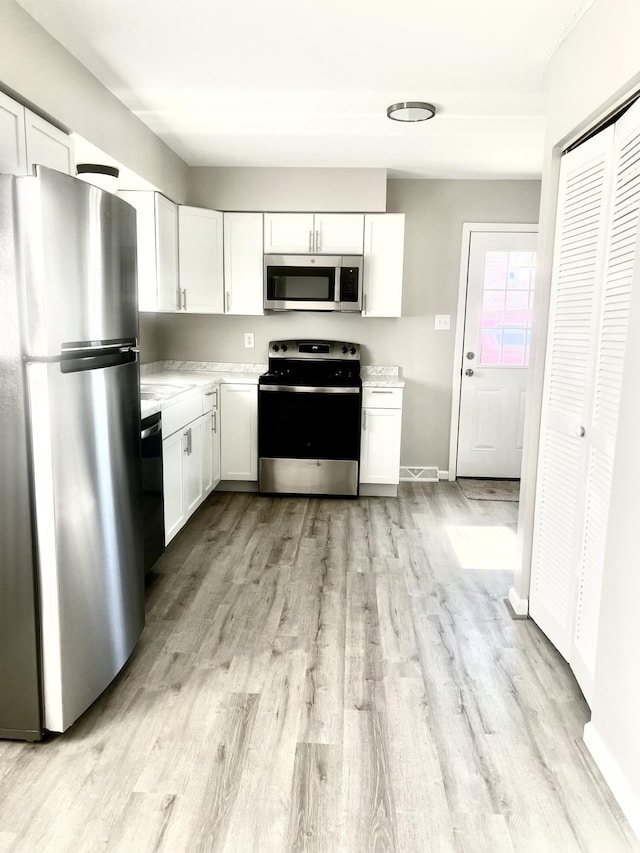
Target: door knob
468,372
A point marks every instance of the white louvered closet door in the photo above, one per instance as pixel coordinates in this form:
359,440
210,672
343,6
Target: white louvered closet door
601,437
580,242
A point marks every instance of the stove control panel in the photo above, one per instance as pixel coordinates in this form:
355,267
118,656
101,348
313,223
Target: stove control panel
314,349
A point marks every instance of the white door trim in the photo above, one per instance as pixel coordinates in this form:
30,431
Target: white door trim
468,228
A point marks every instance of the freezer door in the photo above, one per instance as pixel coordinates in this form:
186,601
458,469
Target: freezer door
85,433
79,249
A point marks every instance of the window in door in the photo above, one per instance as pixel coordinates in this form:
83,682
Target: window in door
507,308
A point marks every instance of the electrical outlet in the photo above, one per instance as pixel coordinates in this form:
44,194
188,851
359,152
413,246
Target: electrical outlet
249,340
443,322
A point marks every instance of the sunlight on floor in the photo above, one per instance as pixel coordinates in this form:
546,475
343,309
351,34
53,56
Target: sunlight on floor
486,547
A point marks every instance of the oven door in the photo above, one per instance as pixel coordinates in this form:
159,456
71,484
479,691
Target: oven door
309,439
301,283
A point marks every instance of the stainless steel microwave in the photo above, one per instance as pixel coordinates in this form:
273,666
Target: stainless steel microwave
312,283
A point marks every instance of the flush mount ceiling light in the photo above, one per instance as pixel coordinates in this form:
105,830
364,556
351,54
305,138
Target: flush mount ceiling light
411,111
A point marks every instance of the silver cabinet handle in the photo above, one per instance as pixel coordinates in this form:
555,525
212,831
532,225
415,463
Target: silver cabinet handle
468,372
184,299
311,241
227,297
364,420
378,391
215,422
317,241
179,299
185,448
190,445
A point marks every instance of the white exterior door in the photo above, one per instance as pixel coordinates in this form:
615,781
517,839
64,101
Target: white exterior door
497,333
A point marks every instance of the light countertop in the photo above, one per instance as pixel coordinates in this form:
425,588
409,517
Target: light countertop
200,376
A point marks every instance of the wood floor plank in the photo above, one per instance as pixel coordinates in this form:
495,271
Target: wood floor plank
315,810
369,818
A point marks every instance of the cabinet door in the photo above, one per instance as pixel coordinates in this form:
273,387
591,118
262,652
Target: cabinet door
383,264
166,252
200,259
13,149
47,145
207,453
239,436
215,448
144,204
380,448
243,263
339,233
288,232
193,467
173,455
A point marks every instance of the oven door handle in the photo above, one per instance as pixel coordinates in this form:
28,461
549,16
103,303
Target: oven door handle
152,430
312,389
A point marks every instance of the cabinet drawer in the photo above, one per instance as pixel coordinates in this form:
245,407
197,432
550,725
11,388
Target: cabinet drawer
181,413
209,400
382,398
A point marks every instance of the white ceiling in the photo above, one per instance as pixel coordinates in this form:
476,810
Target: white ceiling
307,83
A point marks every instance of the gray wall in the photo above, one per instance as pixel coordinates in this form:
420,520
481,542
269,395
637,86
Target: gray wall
273,189
435,211
38,70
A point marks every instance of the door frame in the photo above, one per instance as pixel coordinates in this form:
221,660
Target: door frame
468,229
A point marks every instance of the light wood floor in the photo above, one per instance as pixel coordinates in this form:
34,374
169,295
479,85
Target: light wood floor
322,675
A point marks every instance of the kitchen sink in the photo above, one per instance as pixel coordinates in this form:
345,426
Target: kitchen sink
161,390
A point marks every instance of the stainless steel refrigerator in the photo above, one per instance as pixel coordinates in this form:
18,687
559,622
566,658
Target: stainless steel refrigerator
71,576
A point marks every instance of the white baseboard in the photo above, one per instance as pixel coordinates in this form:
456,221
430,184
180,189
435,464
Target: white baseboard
626,797
422,474
520,605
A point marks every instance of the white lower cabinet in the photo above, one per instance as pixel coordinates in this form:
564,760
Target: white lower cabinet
211,442
380,438
239,437
190,459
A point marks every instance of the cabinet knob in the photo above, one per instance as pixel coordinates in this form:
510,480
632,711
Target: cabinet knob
468,372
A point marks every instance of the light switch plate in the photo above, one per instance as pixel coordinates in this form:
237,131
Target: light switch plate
443,322
249,340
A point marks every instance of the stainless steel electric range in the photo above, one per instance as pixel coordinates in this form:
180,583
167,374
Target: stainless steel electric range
309,411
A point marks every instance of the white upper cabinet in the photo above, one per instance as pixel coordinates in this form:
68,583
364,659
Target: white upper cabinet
288,233
243,263
157,227
47,145
27,140
13,146
383,264
309,233
200,250
339,233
